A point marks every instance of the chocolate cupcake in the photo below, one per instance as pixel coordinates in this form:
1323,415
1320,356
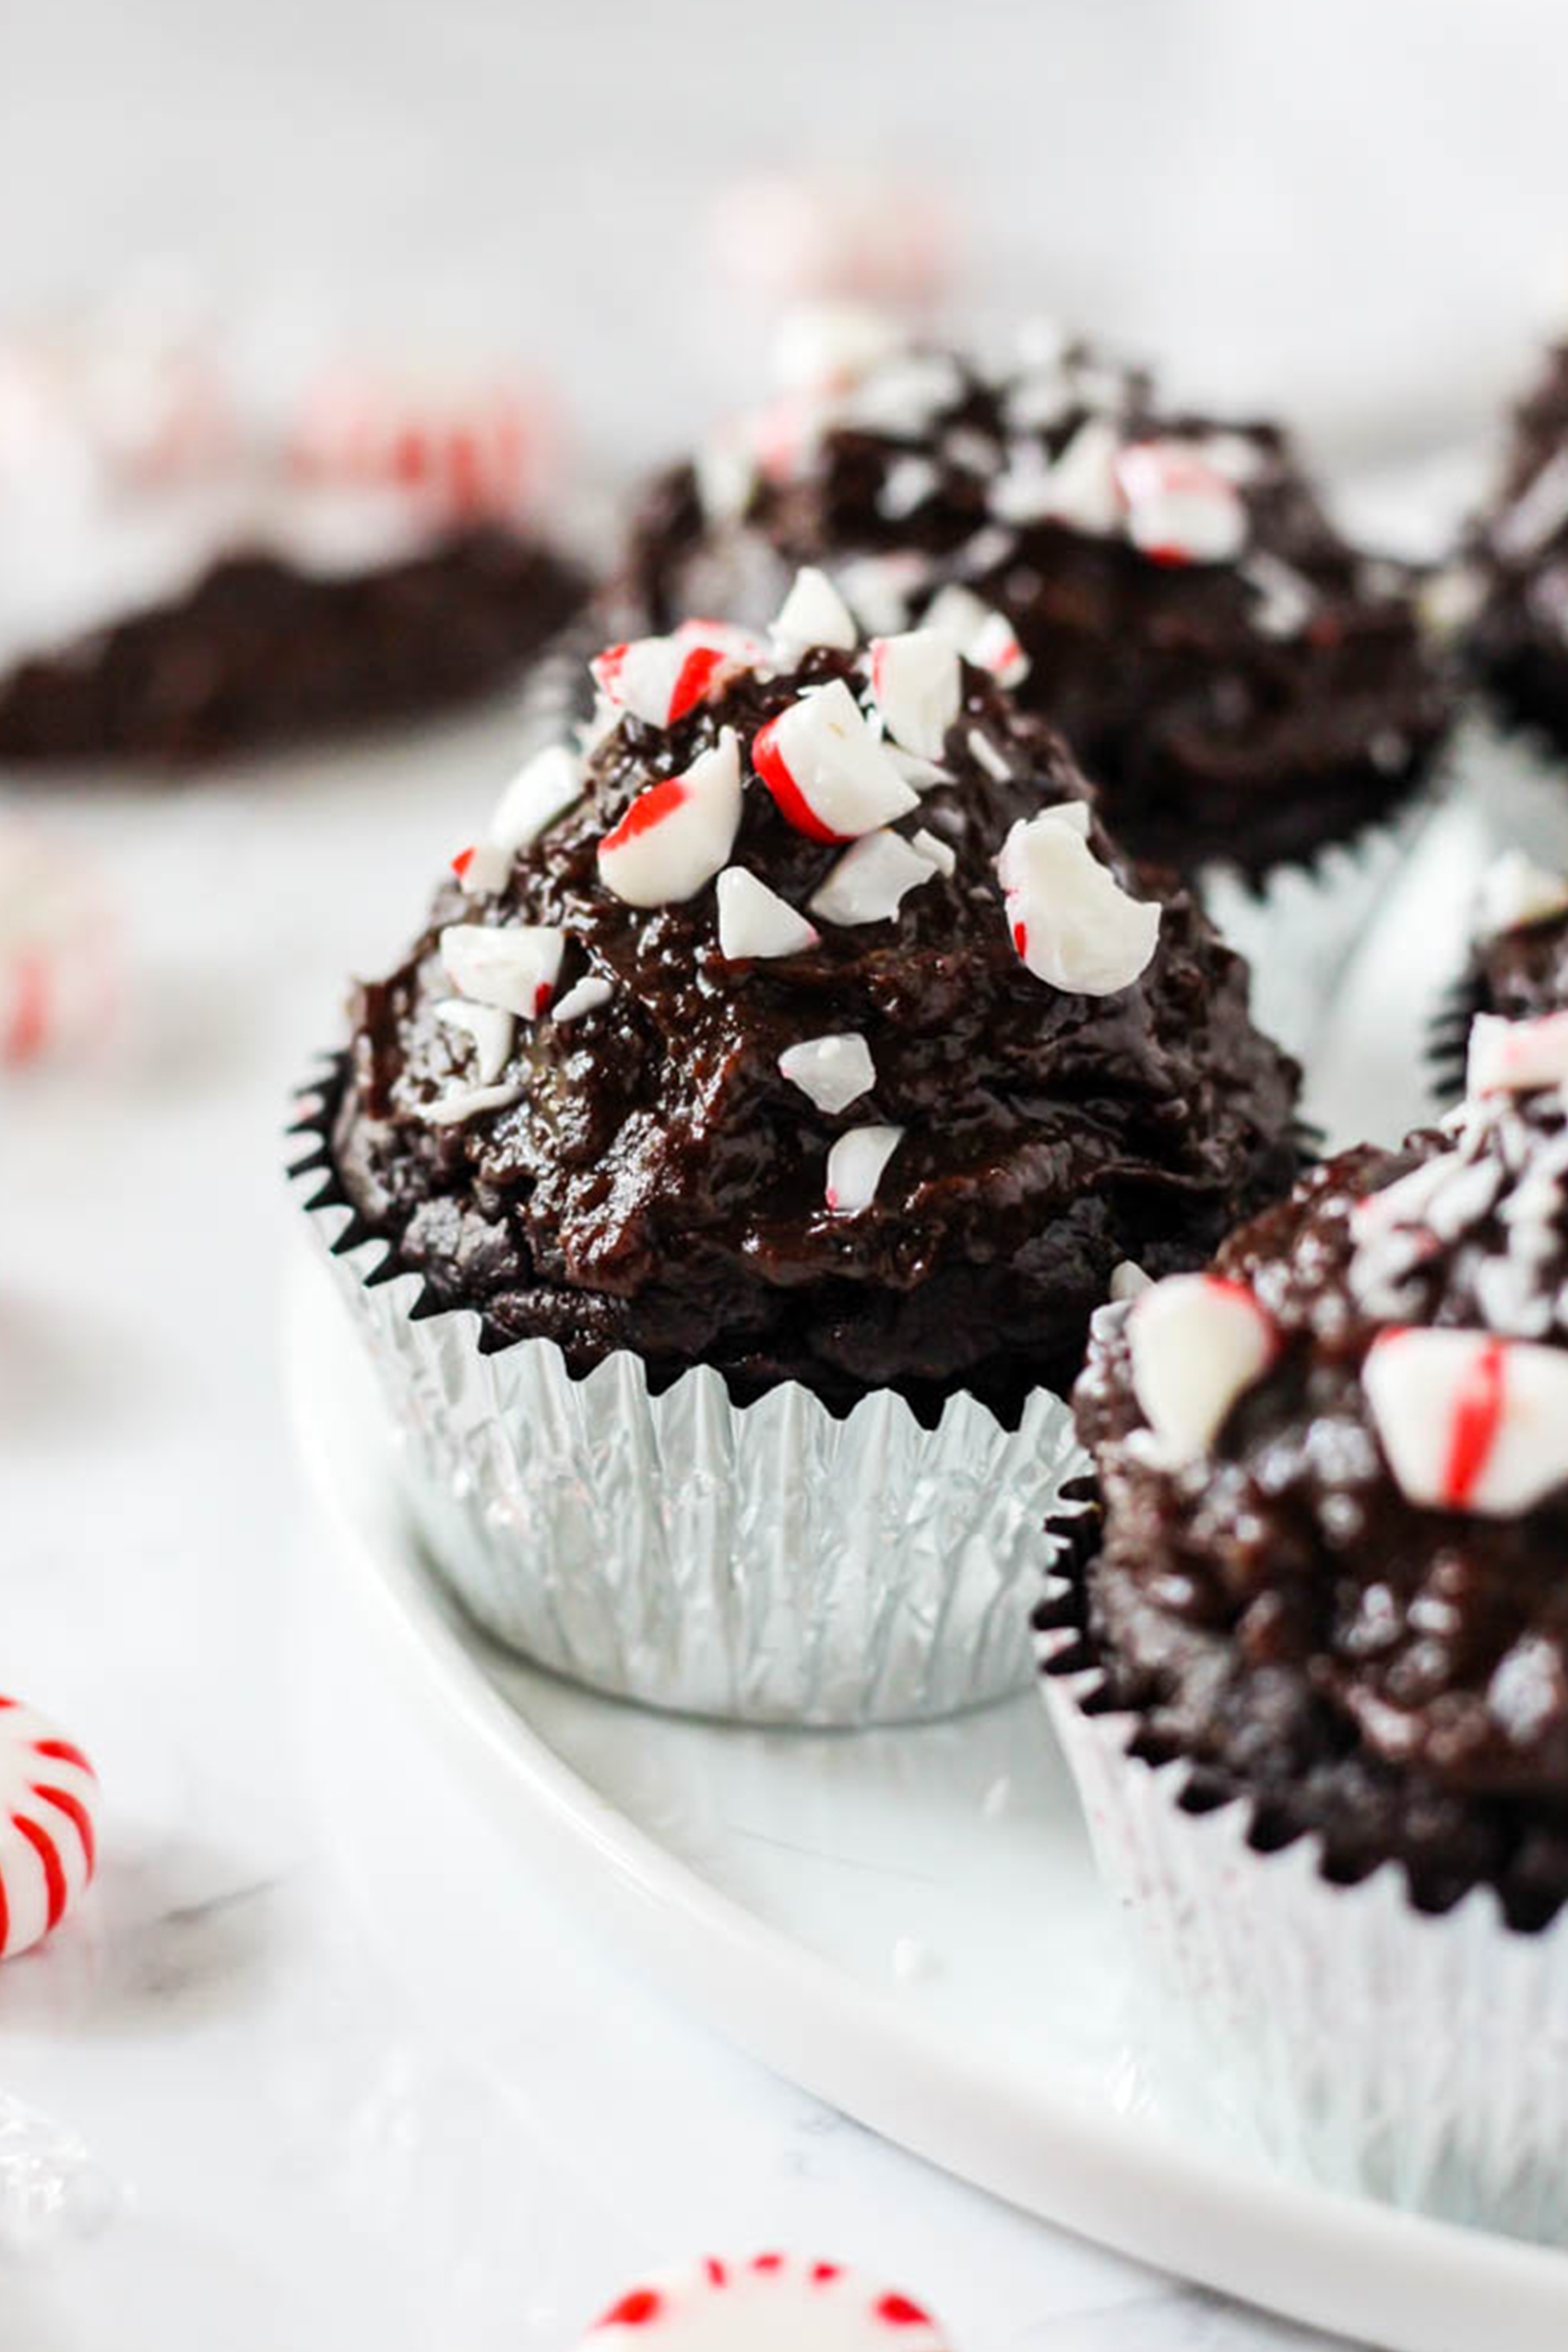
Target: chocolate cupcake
1517,968
1311,1662
759,1121
1254,695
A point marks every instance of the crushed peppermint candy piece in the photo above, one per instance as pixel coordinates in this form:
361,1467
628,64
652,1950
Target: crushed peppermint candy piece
489,1029
754,921
467,447
483,868
463,1103
855,1168
1286,598
1470,1421
49,1820
909,483
770,2302
906,394
828,347
514,968
994,761
1083,491
812,613
1180,508
980,633
543,788
830,777
917,686
1517,1057
833,1071
588,993
871,880
1072,923
678,833
1196,1343
658,680
880,589
937,853
1516,893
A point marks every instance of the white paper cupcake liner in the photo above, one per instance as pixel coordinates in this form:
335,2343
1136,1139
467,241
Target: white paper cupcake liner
767,1564
1363,2043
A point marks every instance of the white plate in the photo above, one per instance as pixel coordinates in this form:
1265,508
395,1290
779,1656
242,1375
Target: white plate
906,1922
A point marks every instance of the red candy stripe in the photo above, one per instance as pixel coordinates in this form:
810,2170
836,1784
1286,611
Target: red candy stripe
75,1811
792,804
48,1854
652,805
1478,1416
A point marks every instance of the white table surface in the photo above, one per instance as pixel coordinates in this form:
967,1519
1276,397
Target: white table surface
276,2090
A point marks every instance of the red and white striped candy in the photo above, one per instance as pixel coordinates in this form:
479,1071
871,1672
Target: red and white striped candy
467,447
1517,1057
917,686
660,679
512,967
1072,923
1470,1421
831,777
980,633
1180,508
765,2303
1196,1343
678,833
49,1806
58,964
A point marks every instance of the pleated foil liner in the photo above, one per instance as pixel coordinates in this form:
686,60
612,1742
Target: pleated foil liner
1355,2039
765,1564
1515,783
1300,926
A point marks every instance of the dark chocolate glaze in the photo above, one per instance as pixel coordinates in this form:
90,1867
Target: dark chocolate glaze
259,652
1212,732
660,1186
1392,1678
1517,641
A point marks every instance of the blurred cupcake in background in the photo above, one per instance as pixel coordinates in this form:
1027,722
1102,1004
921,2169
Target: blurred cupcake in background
727,1177
1518,965
1259,700
1310,1658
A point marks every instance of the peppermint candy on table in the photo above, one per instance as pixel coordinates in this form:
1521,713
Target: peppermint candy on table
677,833
512,966
1470,1421
980,633
830,777
542,789
812,613
660,679
1072,923
754,921
832,1072
916,686
1196,1343
58,964
1180,508
49,1806
767,2302
1517,1057
855,1166
467,446
872,879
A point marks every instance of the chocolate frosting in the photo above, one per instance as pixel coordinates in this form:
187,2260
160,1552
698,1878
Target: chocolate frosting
659,1184
1518,560
1392,1677
1253,710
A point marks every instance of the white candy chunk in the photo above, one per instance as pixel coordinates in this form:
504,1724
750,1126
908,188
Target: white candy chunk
958,614
483,870
904,395
1021,493
831,777
855,1166
754,921
1517,1057
920,775
514,970
994,761
677,834
770,2302
1470,1421
1196,1343
907,484
871,881
542,789
812,613
980,633
660,679
834,1071
880,589
916,686
1128,1281
587,996
1516,893
727,475
467,1102
931,845
489,1030
1072,923
1084,491
1180,508
825,347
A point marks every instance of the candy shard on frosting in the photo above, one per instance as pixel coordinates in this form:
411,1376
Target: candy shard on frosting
1071,922
543,788
1517,1057
813,613
855,1167
678,832
511,967
658,680
1197,1342
917,686
830,777
584,996
872,879
462,1103
1470,1421
1181,508
833,1071
755,921
490,1028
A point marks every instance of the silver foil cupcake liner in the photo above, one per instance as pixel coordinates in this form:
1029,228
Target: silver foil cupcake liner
1515,784
766,1563
1350,2037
